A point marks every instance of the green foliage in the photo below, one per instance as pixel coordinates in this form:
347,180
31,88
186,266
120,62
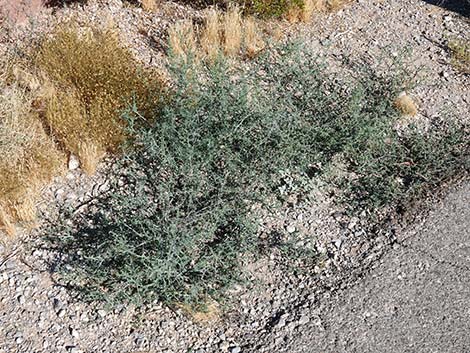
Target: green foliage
175,224
272,8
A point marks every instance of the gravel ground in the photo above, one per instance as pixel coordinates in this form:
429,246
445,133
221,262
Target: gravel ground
277,310
415,299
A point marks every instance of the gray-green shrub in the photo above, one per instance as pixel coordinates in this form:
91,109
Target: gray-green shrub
175,224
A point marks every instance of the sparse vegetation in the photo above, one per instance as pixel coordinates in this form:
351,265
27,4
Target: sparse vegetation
460,54
222,34
180,228
292,10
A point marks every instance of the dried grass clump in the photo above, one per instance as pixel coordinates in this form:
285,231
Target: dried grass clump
211,35
28,157
222,33
93,80
253,41
405,105
182,39
149,5
232,24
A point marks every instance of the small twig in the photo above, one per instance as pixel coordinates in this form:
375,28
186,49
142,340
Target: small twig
8,257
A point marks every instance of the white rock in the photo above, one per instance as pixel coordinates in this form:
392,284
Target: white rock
290,229
74,163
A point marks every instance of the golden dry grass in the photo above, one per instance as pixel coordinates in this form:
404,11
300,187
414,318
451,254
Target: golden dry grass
222,33
209,313
149,5
93,80
232,24
28,157
6,224
405,105
182,39
211,35
67,99
253,41
310,7
305,12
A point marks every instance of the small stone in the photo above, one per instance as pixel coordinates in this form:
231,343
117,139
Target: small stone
21,299
338,243
73,332
235,350
74,163
61,313
10,265
290,229
303,320
224,346
101,313
19,340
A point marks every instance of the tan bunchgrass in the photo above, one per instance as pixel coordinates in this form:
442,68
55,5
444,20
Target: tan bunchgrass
182,39
333,5
232,25
293,14
28,157
211,35
90,154
310,7
222,33
93,79
253,40
6,225
149,5
405,105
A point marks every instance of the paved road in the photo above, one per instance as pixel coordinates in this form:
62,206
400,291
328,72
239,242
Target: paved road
416,300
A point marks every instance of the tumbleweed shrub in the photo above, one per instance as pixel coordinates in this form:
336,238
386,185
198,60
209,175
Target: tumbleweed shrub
176,224
28,157
95,78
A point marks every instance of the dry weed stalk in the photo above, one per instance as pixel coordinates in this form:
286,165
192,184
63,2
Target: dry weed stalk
222,33
6,224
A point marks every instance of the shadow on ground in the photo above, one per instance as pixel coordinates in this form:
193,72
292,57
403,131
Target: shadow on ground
460,6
